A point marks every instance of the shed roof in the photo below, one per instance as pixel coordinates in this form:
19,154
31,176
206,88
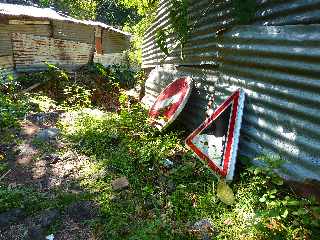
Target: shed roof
16,10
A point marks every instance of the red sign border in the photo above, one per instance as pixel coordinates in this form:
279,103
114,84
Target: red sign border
229,158
182,105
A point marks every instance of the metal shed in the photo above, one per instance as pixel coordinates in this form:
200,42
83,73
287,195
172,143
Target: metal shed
276,60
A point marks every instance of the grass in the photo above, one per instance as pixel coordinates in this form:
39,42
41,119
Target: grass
161,202
164,203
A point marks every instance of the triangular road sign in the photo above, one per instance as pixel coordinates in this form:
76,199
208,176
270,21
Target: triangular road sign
216,140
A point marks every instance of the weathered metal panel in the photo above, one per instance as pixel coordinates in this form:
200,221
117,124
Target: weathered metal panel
31,52
72,32
287,12
40,30
5,42
113,42
279,69
208,17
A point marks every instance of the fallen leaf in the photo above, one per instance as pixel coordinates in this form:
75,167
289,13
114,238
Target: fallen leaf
225,193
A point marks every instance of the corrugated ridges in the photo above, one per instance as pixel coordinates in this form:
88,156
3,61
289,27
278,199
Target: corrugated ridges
278,67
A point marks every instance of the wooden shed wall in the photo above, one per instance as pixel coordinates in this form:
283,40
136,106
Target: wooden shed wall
113,42
36,29
31,52
5,42
73,32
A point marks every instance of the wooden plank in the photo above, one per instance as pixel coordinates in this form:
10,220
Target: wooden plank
28,22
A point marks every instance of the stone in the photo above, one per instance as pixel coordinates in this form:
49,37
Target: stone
47,217
203,229
36,233
83,210
48,134
11,216
52,158
120,183
43,118
26,153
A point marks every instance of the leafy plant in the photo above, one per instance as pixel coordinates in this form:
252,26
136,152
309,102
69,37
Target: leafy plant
77,96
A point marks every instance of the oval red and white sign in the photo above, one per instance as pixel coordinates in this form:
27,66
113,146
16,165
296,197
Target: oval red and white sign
170,102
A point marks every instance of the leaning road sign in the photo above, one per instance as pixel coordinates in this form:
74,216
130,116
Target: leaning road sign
216,140
170,102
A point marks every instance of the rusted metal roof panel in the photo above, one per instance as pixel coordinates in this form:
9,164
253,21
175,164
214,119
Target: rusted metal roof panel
279,69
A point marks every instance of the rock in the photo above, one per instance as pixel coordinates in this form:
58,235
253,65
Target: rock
52,158
25,153
47,217
11,216
48,134
36,233
168,163
203,229
42,118
120,183
83,210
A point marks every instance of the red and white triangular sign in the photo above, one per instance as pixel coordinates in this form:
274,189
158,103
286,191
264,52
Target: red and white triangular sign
170,102
216,140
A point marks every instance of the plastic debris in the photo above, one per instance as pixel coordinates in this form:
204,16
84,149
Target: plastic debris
50,237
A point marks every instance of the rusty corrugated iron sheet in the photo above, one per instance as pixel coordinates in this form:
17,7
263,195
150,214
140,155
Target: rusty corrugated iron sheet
30,52
277,66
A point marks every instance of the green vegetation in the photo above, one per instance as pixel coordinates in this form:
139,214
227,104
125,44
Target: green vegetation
162,201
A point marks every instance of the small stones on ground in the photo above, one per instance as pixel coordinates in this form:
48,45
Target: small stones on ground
47,134
35,233
120,183
52,158
47,217
43,118
26,153
11,216
203,229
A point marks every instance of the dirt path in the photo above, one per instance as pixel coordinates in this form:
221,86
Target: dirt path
40,161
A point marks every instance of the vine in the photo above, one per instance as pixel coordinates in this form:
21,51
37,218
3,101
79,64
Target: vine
178,18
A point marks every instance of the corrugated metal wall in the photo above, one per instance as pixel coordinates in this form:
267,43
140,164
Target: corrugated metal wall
275,59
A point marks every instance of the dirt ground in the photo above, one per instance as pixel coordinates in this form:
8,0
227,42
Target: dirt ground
40,161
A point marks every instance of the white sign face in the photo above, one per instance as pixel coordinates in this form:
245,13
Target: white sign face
215,141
